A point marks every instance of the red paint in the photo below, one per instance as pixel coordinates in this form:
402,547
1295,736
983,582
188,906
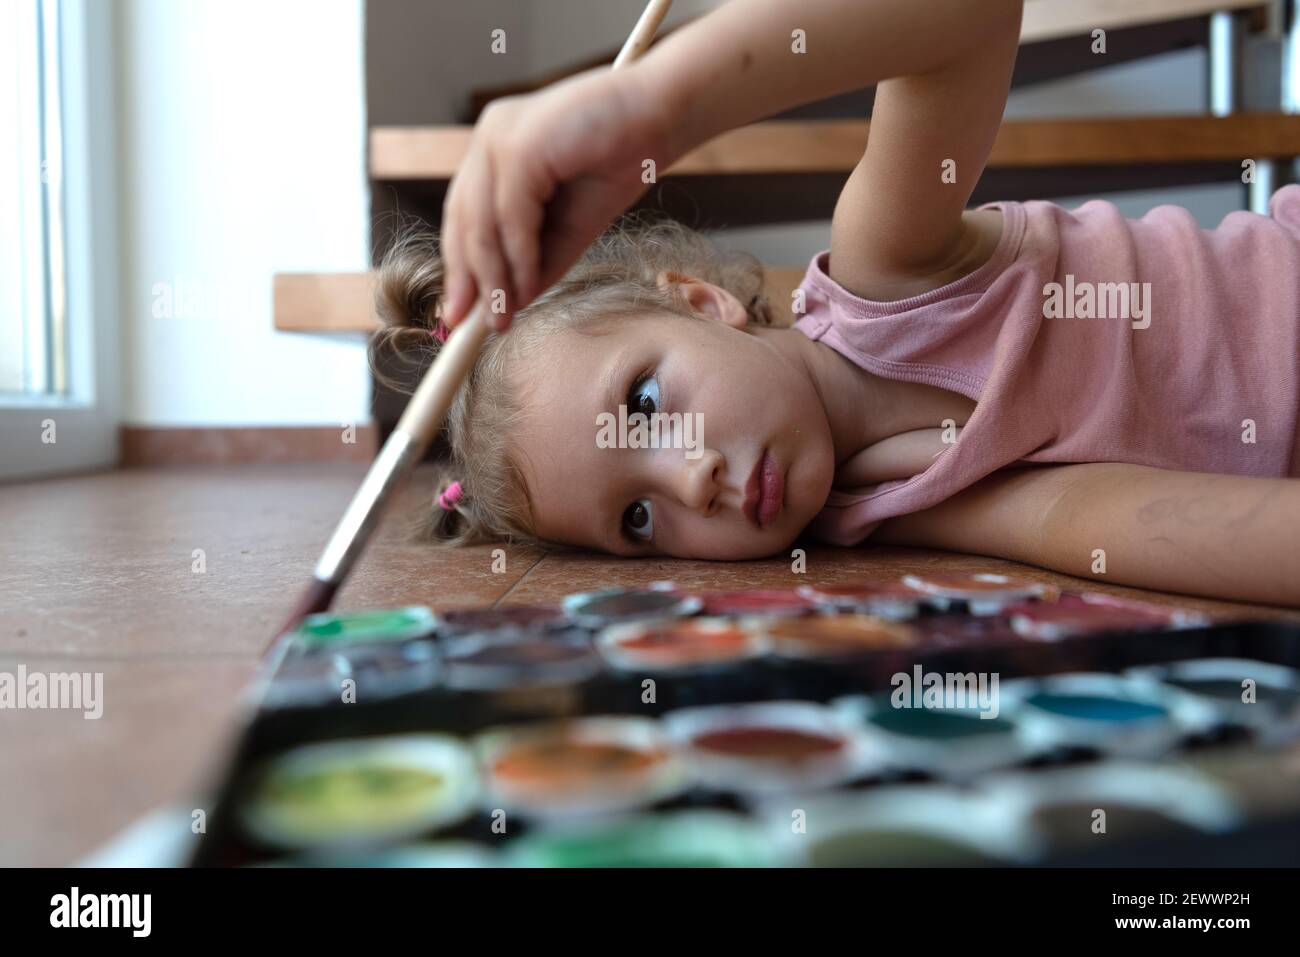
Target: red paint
789,745
753,601
686,642
959,584
1074,615
864,591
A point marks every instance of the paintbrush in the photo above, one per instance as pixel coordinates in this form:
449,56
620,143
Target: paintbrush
424,414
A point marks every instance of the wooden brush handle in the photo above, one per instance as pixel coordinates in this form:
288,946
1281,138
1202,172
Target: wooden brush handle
428,407
643,33
433,397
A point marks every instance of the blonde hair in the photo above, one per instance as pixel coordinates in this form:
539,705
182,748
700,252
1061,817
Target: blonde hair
617,277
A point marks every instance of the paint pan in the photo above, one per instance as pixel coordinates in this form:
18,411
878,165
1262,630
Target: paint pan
329,632
596,609
703,838
944,742
769,747
754,601
679,645
361,791
1264,782
469,621
966,631
898,826
1092,613
307,680
514,659
984,593
569,769
1138,801
389,670
823,636
892,599
430,854
1258,695
1116,716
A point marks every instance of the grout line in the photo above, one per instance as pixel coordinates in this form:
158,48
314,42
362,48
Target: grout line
527,571
137,657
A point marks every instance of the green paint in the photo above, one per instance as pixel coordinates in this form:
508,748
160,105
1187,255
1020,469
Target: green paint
938,725
1072,823
685,839
1096,707
448,853
1227,690
340,797
895,848
393,624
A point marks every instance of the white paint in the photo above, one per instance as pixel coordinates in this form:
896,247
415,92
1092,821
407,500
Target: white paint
242,131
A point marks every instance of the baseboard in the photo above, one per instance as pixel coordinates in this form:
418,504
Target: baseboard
150,446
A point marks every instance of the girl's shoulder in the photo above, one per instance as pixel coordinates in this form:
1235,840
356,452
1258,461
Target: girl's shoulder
980,236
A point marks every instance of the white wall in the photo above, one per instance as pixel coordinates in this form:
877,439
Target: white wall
242,133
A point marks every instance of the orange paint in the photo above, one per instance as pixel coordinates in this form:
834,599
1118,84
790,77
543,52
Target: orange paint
840,634
565,763
687,643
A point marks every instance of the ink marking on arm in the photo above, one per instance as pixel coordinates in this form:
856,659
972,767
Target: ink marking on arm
1187,553
1250,513
1195,511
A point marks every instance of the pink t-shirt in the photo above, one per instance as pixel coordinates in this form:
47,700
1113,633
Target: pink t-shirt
1191,362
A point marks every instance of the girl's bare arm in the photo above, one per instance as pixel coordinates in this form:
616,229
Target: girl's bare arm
944,68
897,457
1220,536
545,173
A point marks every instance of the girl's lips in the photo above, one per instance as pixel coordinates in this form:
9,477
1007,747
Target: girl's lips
773,485
764,492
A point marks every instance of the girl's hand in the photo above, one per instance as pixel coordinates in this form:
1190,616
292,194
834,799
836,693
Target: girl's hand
544,175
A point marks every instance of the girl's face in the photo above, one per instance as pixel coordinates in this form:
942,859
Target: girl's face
744,456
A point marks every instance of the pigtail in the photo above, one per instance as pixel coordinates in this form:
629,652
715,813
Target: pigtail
408,299
446,519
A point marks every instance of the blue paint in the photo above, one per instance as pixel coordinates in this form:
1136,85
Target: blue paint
1096,707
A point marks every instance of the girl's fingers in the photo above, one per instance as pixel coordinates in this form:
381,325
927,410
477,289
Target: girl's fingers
576,216
519,212
483,257
457,292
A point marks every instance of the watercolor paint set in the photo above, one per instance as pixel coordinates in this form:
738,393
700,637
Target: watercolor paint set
936,720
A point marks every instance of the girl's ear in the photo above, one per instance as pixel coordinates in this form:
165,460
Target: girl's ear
705,299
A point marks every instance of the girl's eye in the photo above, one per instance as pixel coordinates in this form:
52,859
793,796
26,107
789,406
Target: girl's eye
639,519
644,397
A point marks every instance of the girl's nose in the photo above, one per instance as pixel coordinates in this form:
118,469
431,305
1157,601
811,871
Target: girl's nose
695,481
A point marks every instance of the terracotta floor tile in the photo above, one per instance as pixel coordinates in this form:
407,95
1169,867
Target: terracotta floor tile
104,564
70,783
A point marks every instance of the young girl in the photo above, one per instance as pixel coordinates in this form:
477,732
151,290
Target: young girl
1064,388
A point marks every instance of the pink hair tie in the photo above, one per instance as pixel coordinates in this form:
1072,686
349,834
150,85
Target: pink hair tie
440,332
449,497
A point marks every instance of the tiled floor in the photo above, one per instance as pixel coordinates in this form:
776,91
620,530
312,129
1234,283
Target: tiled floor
100,574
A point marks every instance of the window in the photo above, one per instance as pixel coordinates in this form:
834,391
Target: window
33,341
58,291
